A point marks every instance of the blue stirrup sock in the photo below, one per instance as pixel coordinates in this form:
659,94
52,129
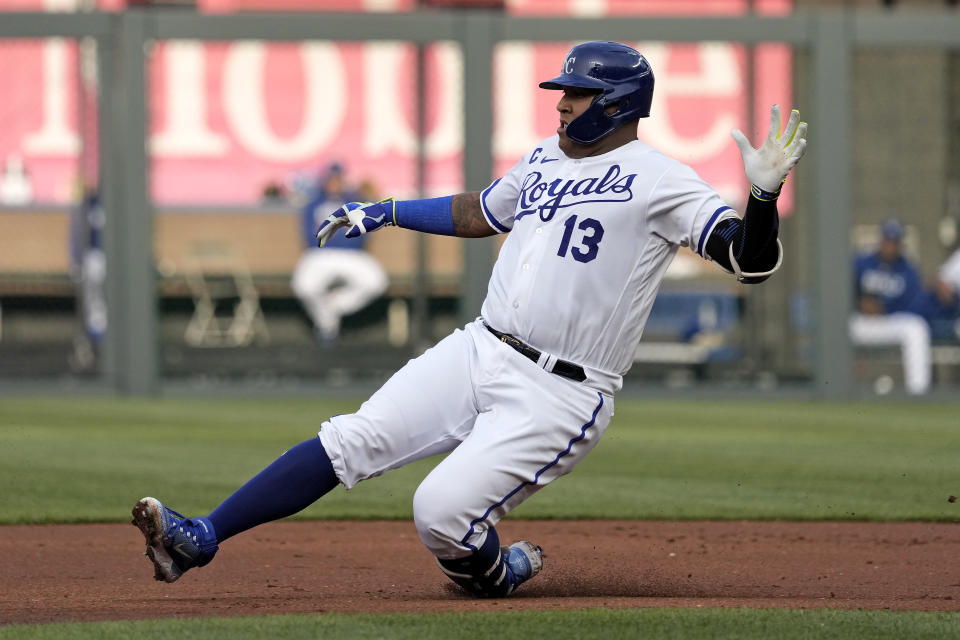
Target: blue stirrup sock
483,573
431,215
294,481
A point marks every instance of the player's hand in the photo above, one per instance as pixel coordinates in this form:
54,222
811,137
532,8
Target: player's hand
768,166
360,217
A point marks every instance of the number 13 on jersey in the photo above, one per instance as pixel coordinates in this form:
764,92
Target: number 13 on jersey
588,243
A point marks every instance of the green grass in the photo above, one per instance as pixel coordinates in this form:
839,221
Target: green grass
705,624
82,459
88,459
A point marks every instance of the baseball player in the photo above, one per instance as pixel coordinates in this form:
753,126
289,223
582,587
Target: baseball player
890,303
521,395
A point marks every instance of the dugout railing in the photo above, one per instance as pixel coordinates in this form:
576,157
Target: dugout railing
830,37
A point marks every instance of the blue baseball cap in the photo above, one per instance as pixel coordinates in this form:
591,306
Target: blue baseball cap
892,230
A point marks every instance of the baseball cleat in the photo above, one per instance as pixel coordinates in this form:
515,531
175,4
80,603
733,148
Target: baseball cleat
525,560
174,543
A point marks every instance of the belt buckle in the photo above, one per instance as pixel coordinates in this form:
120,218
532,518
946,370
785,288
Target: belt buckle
508,339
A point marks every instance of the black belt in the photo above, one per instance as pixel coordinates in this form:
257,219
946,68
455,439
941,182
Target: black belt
561,367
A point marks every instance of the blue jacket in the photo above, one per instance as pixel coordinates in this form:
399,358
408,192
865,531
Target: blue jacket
896,285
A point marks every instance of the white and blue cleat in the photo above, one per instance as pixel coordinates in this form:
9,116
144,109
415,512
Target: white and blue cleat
525,560
174,543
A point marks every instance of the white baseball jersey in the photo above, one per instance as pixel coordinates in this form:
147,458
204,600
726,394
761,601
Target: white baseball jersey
590,240
950,271
589,243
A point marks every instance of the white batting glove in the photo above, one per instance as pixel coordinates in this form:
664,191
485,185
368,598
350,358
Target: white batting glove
361,217
768,166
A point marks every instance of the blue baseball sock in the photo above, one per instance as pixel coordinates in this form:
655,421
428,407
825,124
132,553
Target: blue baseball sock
294,481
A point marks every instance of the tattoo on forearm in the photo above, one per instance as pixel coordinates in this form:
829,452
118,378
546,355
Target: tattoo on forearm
468,220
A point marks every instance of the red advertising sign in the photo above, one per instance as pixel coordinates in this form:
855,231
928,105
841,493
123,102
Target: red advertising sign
226,119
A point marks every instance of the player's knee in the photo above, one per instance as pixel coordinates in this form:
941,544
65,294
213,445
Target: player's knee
427,513
381,282
917,329
435,521
299,286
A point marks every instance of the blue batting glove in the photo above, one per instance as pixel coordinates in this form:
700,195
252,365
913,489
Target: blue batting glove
370,217
360,217
335,221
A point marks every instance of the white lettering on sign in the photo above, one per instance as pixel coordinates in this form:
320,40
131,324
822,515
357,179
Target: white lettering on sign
53,6
381,6
213,101
245,95
446,135
717,76
514,99
387,130
186,131
57,135
588,8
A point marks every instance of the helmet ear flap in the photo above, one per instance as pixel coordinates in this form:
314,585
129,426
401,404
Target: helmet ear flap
591,125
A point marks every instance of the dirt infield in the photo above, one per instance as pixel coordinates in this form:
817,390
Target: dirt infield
97,572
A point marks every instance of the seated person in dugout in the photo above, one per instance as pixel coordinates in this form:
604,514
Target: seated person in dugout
889,301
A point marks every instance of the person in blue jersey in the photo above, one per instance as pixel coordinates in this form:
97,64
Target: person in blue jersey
341,279
889,305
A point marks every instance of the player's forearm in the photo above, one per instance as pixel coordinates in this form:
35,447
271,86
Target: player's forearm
761,225
750,242
458,215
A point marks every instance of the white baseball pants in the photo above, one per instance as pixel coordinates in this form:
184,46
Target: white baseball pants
908,331
332,283
93,275
511,428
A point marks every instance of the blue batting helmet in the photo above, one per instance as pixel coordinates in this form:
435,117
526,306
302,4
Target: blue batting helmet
622,75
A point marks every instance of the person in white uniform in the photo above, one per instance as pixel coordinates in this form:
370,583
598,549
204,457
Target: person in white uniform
520,396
